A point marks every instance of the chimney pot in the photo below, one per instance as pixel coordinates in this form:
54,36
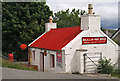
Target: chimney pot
90,9
50,19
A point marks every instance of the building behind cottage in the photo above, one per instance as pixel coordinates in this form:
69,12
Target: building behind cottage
73,49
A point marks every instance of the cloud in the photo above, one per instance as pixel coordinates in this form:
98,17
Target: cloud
82,1
107,10
104,9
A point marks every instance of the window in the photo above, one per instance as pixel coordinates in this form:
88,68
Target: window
34,55
52,61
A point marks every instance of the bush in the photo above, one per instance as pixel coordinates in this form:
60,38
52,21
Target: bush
107,67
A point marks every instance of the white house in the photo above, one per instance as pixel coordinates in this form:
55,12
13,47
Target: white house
72,49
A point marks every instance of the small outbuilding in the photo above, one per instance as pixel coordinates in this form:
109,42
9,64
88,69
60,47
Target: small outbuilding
73,49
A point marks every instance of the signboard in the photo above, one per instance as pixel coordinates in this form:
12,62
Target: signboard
59,57
23,46
94,40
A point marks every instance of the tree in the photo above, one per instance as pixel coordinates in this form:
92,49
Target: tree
67,18
22,22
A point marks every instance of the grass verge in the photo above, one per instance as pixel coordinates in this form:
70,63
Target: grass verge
8,64
116,73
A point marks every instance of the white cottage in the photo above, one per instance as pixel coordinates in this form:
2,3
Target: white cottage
72,49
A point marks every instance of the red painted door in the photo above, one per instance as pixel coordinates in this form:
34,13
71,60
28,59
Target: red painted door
41,62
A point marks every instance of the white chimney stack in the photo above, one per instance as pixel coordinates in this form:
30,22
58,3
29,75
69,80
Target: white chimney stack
90,21
50,25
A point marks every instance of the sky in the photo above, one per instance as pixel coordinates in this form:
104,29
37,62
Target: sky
107,9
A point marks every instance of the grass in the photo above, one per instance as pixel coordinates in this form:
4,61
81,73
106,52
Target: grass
116,73
117,76
9,64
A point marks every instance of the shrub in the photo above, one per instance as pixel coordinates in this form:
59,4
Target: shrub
107,67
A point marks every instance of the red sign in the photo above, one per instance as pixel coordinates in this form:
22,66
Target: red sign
23,46
94,40
59,57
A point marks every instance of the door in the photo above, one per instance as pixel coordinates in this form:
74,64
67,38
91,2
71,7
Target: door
41,62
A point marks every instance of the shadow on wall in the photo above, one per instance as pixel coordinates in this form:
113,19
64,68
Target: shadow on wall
75,62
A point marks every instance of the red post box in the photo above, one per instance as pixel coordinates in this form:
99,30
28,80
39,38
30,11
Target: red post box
10,56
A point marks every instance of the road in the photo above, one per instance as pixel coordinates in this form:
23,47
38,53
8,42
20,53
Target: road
8,73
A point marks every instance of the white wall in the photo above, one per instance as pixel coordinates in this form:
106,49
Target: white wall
37,56
47,67
47,63
108,50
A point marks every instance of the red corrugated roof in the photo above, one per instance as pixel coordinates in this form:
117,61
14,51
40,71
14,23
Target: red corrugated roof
56,39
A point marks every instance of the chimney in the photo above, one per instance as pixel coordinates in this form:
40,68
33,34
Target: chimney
50,25
90,21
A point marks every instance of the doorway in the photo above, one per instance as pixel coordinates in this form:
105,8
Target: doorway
52,61
42,62
91,62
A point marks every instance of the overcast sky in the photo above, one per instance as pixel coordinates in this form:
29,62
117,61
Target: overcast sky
108,9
